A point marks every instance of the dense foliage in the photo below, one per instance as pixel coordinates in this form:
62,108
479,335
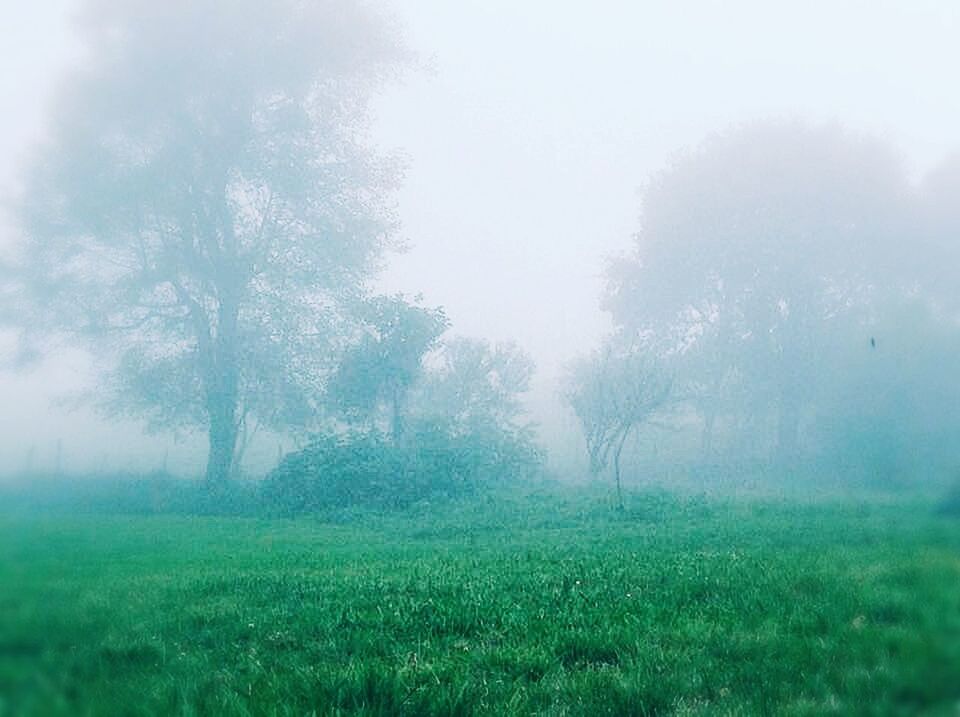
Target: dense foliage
416,416
373,470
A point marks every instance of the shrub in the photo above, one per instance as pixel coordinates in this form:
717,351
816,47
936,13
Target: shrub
370,469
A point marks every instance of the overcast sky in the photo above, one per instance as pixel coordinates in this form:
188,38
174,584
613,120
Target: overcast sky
536,122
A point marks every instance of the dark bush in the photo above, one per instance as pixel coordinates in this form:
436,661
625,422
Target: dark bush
373,470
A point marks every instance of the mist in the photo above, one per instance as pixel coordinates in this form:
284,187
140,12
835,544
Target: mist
524,164
544,288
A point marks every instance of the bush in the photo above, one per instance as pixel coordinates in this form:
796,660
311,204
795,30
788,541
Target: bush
372,470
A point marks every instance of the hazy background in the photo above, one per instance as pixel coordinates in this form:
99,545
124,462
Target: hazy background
528,133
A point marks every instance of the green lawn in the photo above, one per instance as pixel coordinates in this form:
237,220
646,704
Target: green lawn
522,605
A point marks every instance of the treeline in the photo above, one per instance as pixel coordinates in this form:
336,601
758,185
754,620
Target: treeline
208,215
791,298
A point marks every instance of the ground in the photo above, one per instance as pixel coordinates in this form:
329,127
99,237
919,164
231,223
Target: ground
527,604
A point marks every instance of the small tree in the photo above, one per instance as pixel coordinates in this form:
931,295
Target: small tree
472,391
471,384
379,369
613,392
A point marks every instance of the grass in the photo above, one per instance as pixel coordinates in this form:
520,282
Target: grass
537,604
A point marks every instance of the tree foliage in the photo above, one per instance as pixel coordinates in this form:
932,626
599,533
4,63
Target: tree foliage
750,248
379,369
473,385
208,208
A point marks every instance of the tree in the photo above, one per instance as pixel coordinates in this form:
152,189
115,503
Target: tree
472,385
613,392
472,392
754,243
382,366
712,383
207,209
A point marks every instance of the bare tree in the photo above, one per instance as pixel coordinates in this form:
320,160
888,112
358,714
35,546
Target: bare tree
612,393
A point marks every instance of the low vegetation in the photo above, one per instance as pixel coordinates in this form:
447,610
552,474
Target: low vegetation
373,470
536,604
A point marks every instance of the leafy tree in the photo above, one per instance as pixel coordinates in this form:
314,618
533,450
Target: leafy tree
473,385
207,208
750,247
712,382
613,392
380,368
935,247
473,390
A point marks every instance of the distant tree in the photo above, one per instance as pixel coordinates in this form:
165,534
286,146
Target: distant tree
713,384
751,245
933,269
207,208
613,392
380,368
472,392
471,384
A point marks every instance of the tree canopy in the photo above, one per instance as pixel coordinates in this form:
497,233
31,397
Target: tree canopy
208,207
380,368
751,247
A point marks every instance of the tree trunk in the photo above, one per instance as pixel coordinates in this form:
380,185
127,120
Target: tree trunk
397,414
222,389
616,468
223,444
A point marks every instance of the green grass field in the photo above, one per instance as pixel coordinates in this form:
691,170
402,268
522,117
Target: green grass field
522,605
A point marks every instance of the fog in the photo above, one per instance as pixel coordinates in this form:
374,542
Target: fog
418,357
527,131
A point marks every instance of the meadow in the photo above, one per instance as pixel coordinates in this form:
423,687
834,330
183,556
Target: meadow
533,604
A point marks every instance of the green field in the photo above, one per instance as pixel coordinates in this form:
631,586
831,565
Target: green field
537,604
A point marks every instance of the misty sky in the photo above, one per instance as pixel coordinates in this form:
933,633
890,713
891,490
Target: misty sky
535,124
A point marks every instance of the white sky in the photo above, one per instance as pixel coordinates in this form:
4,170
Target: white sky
539,120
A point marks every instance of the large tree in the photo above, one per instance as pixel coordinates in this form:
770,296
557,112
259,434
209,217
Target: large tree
207,207
750,246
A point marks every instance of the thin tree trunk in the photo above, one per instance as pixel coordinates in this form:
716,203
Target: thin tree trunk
616,468
396,419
